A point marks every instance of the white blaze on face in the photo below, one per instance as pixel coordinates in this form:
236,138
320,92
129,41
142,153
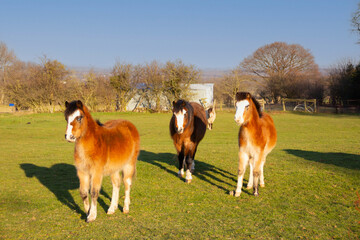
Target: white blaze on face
240,108
180,116
69,127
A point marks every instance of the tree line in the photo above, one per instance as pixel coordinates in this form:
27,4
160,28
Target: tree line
274,71
44,86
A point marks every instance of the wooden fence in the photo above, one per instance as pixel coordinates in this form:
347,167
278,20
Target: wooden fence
305,105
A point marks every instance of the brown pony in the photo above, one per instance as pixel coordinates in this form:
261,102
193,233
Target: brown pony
187,129
101,149
257,137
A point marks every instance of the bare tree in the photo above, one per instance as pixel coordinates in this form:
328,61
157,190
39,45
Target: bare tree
7,58
355,21
123,80
178,78
281,66
230,84
153,81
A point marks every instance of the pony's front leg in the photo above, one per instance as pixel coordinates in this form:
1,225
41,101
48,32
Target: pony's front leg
188,176
96,180
115,179
243,161
84,180
181,164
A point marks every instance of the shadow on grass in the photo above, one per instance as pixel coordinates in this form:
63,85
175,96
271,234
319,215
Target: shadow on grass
204,171
345,160
60,179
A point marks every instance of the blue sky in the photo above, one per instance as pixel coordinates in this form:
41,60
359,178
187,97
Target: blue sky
209,34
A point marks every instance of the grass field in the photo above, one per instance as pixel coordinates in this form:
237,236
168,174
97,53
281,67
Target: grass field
311,177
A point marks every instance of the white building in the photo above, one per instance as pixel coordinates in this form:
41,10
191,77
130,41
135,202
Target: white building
202,93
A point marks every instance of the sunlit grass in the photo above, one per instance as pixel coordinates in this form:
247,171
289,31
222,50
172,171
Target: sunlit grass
311,177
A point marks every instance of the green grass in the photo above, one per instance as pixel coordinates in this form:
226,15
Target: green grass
311,177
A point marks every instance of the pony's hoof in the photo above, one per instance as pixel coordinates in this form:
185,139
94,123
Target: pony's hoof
256,194
188,181
125,211
180,175
234,193
109,212
90,219
262,185
249,187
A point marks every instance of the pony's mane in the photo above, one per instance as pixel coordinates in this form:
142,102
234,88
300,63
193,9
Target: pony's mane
245,95
99,123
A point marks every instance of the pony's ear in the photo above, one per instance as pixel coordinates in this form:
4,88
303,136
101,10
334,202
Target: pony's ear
79,104
66,104
238,96
248,95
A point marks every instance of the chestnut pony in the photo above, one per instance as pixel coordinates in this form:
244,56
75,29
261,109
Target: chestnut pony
101,149
257,137
187,129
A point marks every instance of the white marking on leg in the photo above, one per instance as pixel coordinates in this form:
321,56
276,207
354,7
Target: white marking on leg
262,183
188,177
181,173
239,185
93,211
127,196
114,200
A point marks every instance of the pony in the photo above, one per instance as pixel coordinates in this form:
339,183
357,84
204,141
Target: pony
257,137
187,129
100,150
210,116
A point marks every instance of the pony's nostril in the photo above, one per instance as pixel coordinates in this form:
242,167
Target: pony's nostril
65,136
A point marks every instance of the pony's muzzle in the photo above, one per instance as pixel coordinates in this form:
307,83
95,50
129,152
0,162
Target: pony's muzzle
70,138
180,130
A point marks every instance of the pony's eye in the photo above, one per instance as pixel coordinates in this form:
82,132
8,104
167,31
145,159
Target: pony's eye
79,119
247,107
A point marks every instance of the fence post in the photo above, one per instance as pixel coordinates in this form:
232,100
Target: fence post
283,103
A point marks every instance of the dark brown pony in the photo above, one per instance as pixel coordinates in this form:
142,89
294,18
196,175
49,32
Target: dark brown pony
101,149
257,137
187,129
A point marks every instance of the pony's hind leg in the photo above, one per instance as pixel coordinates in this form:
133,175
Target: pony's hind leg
181,164
259,163
251,176
96,180
262,182
189,162
116,180
128,173
84,180
193,161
